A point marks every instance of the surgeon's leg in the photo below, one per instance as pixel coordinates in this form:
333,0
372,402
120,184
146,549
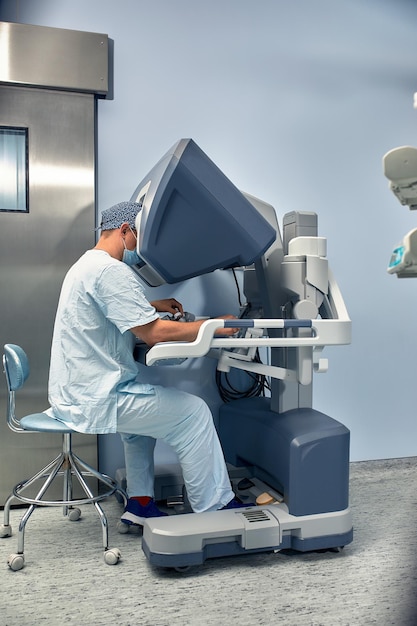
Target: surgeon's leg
185,422
139,459
204,470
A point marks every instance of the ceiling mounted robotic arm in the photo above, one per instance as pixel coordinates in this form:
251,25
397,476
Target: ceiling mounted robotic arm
400,167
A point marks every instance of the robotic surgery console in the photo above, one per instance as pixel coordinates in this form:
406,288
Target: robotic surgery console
400,167
289,458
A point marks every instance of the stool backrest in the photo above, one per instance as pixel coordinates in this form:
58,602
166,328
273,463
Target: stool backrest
16,369
16,366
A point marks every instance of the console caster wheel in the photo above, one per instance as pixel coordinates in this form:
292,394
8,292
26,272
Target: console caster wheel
74,514
122,528
5,530
113,556
16,562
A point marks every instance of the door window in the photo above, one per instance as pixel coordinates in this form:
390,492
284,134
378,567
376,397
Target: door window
14,169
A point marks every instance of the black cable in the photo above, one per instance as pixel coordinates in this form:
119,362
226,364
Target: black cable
237,286
258,385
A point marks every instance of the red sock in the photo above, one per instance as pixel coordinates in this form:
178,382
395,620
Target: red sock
143,500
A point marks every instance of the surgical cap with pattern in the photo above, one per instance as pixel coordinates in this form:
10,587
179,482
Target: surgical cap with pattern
123,212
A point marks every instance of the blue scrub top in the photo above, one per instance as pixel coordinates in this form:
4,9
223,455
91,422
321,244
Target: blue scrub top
92,346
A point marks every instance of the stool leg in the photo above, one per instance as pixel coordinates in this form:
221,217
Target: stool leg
67,486
7,506
55,466
106,480
5,528
21,531
89,493
67,473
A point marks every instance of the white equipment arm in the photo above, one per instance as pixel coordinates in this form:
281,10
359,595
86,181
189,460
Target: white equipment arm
400,167
322,332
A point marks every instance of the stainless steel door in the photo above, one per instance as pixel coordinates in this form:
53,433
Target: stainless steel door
36,249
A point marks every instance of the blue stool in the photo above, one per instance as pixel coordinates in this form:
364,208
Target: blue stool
66,465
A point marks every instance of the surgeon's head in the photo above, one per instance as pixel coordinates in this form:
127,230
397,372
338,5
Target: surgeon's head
118,232
119,214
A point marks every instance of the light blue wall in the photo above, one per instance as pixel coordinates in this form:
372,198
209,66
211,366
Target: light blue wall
296,102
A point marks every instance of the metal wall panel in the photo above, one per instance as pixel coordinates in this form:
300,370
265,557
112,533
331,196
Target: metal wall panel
53,57
36,250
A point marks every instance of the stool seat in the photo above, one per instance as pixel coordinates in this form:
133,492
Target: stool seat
42,423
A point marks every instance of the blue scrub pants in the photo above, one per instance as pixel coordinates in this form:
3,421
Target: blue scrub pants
183,421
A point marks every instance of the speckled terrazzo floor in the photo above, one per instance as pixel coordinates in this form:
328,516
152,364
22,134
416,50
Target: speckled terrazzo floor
372,581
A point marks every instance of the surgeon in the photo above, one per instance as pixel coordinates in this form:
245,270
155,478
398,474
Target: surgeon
93,384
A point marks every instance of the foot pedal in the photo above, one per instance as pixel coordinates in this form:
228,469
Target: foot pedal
175,501
265,498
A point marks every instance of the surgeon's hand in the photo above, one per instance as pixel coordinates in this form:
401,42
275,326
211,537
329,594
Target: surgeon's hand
168,305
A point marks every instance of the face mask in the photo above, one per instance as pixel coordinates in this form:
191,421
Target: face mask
131,257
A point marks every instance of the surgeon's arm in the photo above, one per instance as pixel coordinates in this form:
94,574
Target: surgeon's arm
166,330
